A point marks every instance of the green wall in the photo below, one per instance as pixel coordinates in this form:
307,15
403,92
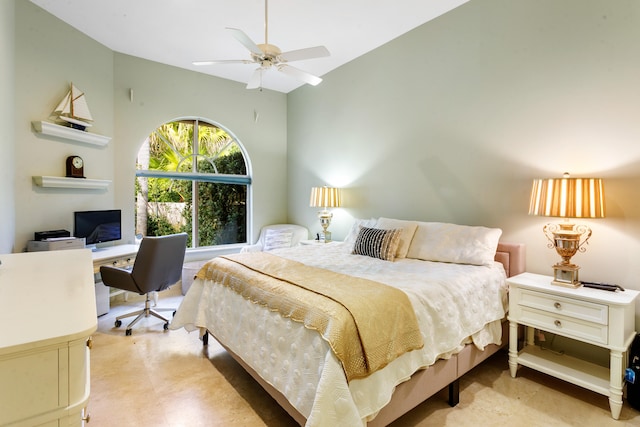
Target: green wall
163,93
7,117
453,120
49,55
449,122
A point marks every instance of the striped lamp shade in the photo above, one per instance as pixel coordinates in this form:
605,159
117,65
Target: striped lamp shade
325,197
568,197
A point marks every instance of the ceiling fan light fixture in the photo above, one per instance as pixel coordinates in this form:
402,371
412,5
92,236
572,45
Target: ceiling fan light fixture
267,55
269,49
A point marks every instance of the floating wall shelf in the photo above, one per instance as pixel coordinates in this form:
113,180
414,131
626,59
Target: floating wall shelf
71,134
62,182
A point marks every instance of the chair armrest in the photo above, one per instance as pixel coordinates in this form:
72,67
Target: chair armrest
118,278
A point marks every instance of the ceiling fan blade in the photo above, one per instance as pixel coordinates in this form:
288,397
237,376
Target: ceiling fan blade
256,79
223,61
299,74
246,41
307,53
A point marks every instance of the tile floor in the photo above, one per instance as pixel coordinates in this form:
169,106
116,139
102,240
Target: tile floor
155,378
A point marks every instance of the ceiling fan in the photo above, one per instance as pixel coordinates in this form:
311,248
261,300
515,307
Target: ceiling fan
269,56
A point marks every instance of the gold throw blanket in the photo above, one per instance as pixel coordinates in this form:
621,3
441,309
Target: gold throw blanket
366,323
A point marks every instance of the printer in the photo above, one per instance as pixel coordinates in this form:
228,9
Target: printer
55,244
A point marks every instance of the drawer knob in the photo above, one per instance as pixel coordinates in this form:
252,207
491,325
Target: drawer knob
557,323
557,305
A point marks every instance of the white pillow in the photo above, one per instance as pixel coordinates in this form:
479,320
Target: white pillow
355,228
275,239
408,230
460,244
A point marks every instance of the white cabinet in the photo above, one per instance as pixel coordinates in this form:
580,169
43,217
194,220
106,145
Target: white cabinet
47,316
602,318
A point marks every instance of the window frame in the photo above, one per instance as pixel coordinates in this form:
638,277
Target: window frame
217,178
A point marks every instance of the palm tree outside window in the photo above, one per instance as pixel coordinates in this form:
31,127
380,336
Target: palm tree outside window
191,176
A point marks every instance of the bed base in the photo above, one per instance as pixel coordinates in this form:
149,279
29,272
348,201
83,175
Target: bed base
427,382
421,386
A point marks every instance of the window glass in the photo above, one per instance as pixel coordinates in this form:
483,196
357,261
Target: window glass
192,177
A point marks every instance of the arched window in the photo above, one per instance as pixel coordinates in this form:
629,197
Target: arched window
192,176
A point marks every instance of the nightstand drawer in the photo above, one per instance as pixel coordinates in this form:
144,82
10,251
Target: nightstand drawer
570,308
566,326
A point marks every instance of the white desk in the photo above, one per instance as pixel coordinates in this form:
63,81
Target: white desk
47,314
117,256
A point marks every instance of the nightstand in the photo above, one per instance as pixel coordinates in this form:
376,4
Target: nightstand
310,242
602,318
317,242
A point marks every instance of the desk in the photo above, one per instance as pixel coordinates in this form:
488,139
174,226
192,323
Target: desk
117,256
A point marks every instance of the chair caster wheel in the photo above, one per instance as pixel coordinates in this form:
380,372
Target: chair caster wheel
127,332
118,323
166,326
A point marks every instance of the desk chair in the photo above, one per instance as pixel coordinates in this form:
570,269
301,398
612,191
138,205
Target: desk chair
158,265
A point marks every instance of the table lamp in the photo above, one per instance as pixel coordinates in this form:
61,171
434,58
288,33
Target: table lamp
325,197
567,198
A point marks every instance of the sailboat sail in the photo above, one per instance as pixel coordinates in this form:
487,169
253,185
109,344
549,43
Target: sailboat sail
74,109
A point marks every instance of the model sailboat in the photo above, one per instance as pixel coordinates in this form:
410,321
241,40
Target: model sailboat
73,110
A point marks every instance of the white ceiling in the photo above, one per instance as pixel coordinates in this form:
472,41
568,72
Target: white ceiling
178,32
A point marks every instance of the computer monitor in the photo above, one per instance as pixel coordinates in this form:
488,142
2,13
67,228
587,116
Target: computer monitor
98,226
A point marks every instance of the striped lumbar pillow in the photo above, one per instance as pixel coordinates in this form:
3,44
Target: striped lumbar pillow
377,243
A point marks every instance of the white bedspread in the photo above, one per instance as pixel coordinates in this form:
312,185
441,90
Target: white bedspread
453,303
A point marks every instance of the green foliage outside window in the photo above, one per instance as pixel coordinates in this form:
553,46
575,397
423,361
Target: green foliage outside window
166,205
222,208
158,225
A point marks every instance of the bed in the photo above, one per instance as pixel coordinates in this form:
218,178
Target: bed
453,276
